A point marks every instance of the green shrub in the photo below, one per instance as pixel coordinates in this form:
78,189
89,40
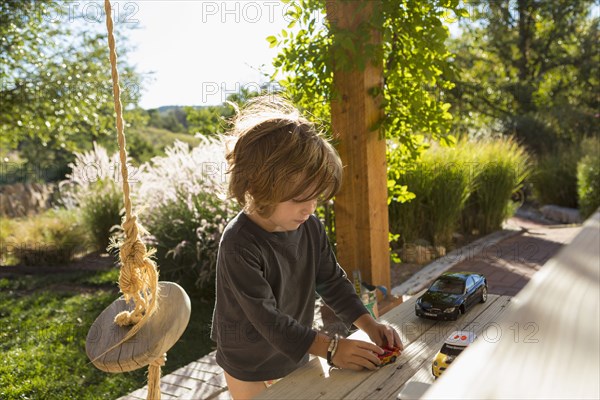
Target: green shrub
555,177
588,179
101,211
439,182
54,237
326,213
186,233
498,169
93,187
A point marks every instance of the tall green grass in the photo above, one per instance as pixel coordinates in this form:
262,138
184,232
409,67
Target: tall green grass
101,210
187,231
466,187
186,209
440,184
181,197
498,169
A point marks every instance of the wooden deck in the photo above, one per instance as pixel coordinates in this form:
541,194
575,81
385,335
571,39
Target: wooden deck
202,379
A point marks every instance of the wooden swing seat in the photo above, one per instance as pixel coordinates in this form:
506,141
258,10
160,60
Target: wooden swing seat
153,340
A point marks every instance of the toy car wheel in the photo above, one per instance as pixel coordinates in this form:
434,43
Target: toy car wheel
457,313
484,294
393,359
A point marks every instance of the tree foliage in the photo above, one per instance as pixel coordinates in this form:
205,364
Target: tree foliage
173,119
56,89
529,68
415,63
212,120
416,69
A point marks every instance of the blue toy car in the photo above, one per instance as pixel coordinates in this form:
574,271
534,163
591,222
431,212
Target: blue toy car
451,295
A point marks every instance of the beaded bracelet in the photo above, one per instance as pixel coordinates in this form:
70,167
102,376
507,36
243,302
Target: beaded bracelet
331,350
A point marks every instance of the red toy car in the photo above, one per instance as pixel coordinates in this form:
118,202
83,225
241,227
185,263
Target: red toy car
389,356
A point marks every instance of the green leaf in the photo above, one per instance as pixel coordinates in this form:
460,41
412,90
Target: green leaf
462,12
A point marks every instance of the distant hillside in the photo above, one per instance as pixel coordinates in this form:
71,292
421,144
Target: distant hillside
147,142
166,109
162,138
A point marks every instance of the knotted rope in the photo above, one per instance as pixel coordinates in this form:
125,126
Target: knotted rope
138,277
154,377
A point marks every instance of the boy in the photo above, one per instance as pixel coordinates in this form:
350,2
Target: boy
274,255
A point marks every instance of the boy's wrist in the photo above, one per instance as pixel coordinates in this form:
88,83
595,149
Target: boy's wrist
365,322
320,345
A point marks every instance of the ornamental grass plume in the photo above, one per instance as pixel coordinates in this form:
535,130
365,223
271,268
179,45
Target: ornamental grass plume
180,199
184,195
93,187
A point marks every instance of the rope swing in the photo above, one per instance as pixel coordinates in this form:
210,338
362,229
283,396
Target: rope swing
110,344
138,277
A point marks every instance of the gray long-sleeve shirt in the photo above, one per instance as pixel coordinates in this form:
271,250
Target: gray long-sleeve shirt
266,283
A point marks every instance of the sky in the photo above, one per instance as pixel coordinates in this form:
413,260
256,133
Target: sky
197,52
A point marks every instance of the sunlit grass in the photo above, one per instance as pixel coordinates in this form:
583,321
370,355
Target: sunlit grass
53,237
43,328
6,230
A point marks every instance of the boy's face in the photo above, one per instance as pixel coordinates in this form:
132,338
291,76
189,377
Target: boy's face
288,216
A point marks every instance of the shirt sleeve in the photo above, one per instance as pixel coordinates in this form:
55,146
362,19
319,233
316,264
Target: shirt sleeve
241,272
334,286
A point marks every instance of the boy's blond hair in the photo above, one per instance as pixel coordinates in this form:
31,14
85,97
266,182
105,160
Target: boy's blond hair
279,156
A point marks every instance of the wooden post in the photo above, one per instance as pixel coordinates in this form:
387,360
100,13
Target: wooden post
361,213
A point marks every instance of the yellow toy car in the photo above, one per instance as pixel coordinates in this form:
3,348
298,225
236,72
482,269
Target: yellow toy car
453,346
389,356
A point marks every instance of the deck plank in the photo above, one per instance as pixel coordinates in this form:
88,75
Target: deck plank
205,367
195,374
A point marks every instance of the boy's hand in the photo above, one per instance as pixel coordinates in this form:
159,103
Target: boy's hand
381,334
356,355
384,335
